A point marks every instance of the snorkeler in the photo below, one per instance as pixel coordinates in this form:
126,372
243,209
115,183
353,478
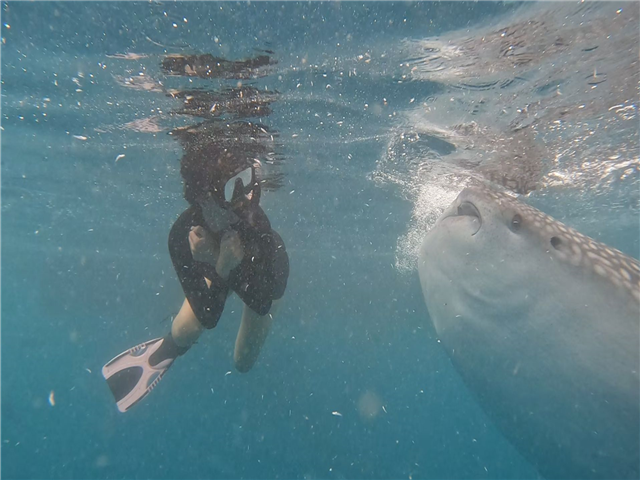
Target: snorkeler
222,243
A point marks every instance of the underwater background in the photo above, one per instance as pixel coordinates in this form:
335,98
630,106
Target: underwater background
379,114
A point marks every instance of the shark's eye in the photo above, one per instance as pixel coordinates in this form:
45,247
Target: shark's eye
516,222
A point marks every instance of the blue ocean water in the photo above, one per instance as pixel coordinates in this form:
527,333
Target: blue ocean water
352,382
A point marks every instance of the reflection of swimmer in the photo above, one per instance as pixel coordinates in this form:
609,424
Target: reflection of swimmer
222,243
208,66
240,102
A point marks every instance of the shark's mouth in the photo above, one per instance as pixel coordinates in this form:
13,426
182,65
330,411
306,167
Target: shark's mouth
467,212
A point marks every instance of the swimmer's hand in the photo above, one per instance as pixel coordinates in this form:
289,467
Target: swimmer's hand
231,253
202,246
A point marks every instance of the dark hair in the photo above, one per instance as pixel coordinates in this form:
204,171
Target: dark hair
214,152
203,175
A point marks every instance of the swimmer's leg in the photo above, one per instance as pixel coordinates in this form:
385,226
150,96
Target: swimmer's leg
186,329
134,373
251,336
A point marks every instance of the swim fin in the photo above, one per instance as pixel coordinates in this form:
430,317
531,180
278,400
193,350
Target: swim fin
134,373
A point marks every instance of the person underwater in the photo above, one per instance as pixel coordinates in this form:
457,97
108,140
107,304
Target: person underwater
222,243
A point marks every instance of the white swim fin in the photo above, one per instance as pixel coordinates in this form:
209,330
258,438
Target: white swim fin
133,374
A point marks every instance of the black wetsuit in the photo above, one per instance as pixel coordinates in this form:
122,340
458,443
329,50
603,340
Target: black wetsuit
260,278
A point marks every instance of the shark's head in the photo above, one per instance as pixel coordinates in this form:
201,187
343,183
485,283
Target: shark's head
494,252
542,323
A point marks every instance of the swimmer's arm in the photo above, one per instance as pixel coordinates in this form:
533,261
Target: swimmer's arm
203,250
207,302
231,254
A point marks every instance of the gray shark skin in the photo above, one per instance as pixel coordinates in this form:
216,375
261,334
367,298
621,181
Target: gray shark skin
543,325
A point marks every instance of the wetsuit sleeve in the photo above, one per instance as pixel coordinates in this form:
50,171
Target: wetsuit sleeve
206,302
262,275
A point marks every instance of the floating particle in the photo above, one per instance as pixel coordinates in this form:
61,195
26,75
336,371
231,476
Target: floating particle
52,400
336,413
120,156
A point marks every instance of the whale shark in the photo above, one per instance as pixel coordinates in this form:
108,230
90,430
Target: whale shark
543,325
